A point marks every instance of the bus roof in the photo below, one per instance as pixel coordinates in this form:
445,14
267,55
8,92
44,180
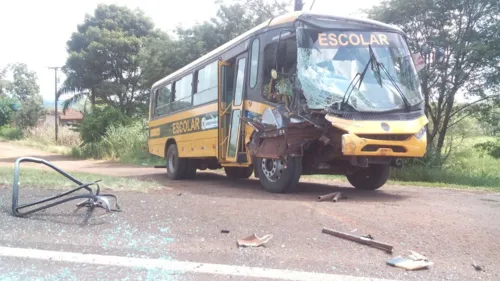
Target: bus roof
283,19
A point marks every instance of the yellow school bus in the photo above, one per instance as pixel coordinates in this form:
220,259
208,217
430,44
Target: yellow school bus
300,94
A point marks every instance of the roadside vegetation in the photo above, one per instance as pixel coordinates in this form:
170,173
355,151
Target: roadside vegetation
463,135
34,177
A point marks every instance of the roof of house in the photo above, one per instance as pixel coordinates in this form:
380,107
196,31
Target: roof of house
71,114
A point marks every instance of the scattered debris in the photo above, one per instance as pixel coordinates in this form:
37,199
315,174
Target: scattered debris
91,199
477,266
254,241
359,239
335,196
224,231
179,194
409,264
354,230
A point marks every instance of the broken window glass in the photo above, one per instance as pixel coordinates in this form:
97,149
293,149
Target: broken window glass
329,61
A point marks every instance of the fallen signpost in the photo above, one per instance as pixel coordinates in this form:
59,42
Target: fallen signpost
359,239
92,199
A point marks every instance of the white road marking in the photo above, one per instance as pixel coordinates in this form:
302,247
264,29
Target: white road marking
181,266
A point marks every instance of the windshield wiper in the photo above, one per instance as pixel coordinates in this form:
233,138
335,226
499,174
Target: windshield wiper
361,76
400,92
375,66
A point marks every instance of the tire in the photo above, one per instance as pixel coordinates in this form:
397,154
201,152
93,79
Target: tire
275,179
371,178
190,171
175,166
238,172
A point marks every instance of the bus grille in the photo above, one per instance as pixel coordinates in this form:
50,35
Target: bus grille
388,137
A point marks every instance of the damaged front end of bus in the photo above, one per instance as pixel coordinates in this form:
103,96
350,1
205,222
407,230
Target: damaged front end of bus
355,108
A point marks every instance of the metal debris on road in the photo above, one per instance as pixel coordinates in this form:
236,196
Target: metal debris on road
224,231
477,267
409,263
93,199
359,239
334,196
254,241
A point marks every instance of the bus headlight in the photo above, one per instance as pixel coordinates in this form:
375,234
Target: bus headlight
421,133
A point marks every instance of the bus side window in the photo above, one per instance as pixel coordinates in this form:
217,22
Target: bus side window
182,97
162,102
286,61
207,84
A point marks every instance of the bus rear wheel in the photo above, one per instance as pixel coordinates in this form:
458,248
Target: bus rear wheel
371,178
176,166
275,178
238,172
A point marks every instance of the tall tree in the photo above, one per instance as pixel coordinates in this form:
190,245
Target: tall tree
103,62
165,55
24,91
461,44
24,85
4,83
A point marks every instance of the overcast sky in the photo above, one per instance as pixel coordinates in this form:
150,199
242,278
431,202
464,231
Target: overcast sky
35,32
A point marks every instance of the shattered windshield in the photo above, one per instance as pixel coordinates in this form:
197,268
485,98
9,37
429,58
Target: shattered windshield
328,62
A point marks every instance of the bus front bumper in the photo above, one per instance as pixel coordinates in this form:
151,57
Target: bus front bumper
354,145
382,138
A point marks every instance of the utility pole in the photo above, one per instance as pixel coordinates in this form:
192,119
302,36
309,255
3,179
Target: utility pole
55,68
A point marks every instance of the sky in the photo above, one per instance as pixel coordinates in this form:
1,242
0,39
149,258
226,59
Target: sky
35,32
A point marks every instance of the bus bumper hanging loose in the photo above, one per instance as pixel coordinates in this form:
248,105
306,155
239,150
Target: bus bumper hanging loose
91,200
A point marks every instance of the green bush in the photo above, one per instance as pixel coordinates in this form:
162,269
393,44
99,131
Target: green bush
128,143
6,111
10,133
95,124
490,147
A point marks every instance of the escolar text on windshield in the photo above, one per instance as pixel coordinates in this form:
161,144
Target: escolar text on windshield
336,39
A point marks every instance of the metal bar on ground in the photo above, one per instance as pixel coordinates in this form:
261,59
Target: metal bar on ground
362,240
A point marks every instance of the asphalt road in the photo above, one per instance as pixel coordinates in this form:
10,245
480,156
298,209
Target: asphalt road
175,233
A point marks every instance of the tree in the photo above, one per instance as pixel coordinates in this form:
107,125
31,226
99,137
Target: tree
30,112
6,110
4,84
103,60
464,36
24,85
24,91
164,55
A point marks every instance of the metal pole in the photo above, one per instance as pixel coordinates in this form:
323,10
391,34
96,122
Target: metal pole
55,98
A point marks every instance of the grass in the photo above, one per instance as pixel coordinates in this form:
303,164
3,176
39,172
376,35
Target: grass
42,138
128,144
38,178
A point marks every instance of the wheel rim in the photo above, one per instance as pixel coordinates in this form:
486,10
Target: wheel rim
171,162
272,169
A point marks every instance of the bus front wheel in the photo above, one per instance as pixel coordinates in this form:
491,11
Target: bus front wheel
371,178
275,178
176,166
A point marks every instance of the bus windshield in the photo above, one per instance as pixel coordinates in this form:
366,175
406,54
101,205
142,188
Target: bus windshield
329,61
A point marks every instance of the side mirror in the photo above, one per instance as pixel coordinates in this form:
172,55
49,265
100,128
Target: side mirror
418,61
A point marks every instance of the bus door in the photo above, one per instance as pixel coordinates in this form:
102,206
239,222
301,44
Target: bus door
231,96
